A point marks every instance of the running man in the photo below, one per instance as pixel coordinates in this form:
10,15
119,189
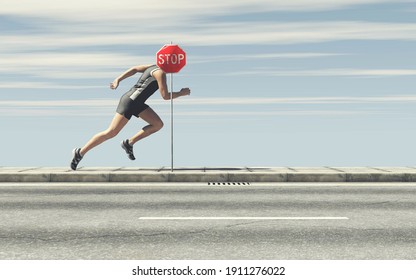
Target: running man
132,103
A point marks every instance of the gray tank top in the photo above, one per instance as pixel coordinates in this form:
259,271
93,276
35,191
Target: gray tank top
145,80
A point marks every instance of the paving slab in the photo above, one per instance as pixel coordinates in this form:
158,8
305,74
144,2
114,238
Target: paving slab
397,169
138,176
358,169
323,170
7,169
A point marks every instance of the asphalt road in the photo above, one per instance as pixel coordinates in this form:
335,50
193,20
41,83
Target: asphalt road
127,221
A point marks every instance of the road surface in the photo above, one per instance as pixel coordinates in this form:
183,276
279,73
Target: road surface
200,221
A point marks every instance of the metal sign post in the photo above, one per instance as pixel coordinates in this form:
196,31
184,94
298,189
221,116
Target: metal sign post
171,59
171,121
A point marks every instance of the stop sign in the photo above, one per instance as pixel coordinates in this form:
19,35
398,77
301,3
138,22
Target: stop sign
171,58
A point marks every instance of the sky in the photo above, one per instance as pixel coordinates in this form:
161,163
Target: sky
274,82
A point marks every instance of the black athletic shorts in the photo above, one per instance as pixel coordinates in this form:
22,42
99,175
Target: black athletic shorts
128,107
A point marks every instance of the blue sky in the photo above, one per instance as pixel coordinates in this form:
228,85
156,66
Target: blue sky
274,83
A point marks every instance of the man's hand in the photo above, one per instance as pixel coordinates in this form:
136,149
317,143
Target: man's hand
114,84
185,91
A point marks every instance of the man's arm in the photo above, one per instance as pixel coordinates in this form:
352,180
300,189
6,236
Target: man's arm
163,87
130,72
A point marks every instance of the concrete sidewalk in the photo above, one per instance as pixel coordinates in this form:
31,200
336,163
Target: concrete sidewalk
210,175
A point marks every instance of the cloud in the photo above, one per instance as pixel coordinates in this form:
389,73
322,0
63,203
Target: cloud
58,103
164,10
65,65
295,100
337,72
215,114
299,32
212,102
213,108
66,59
83,65
246,57
45,85
60,56
210,34
84,112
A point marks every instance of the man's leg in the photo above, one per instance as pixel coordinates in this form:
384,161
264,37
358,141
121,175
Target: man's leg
117,124
155,124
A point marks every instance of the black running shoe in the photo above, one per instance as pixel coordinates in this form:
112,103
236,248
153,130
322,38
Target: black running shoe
128,148
76,159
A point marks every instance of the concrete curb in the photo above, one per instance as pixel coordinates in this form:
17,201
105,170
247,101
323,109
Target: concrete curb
204,174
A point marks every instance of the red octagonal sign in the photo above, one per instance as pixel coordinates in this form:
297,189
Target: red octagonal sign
171,58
